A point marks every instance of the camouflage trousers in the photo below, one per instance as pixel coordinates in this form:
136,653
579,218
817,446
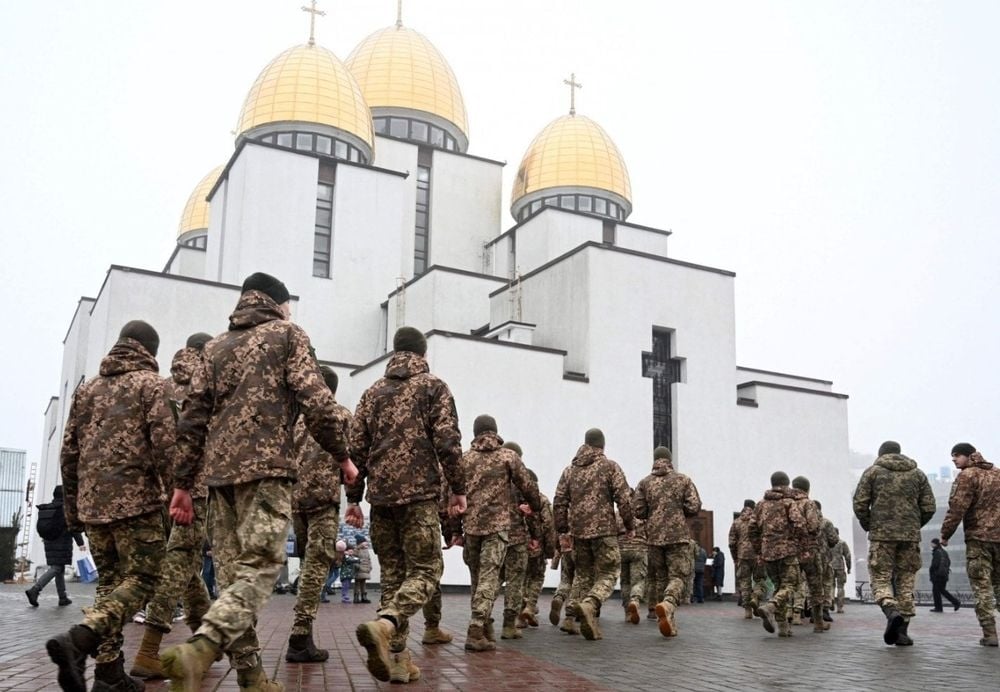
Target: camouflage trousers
670,568
840,579
533,582
407,540
899,561
432,609
750,578
633,575
784,574
515,571
827,582
248,527
982,563
127,554
812,569
180,575
317,546
598,564
485,557
567,570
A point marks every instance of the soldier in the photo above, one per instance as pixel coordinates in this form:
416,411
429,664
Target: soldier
775,526
180,574
812,557
548,548
828,541
524,537
238,426
634,550
840,562
451,533
490,470
664,499
114,455
316,518
975,502
750,576
567,570
584,506
892,501
405,434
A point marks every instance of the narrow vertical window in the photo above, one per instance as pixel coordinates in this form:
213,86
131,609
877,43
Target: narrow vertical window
323,231
421,231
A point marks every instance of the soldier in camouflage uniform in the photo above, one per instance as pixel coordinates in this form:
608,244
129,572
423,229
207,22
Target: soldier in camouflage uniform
548,548
567,570
828,541
316,518
840,561
114,455
490,470
405,435
775,527
750,575
634,551
451,533
524,536
812,556
584,506
664,499
892,502
975,502
239,426
180,574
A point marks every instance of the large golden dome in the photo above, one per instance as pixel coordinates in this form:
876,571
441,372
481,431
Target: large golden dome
398,68
308,84
572,152
195,216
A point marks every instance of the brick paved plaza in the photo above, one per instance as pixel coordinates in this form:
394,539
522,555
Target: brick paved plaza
716,650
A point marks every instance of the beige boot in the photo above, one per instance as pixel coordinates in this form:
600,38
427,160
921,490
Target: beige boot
147,659
187,663
527,619
475,640
436,635
402,669
632,612
489,632
748,613
766,612
555,610
840,604
374,635
587,616
665,618
569,626
796,617
784,629
509,630
255,679
817,613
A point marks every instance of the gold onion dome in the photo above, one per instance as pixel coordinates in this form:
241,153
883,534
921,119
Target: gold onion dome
400,72
575,154
307,84
196,211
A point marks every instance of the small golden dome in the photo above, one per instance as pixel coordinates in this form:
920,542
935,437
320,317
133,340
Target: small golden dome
399,68
572,151
195,216
308,84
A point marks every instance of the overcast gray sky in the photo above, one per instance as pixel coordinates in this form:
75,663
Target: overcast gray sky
841,157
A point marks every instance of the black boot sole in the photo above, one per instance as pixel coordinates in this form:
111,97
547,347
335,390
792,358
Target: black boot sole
64,654
892,628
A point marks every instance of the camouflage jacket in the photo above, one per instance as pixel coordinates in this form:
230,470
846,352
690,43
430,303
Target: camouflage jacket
253,381
893,499
840,557
664,498
489,471
740,545
807,537
776,524
318,484
548,546
975,501
175,389
637,543
118,441
588,490
405,434
828,537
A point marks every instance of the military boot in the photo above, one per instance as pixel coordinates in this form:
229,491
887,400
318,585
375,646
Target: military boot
796,617
255,679
989,634
187,663
509,630
555,610
527,616
665,618
817,618
587,617
489,632
632,612
435,635
766,612
475,640
302,649
840,604
827,618
32,595
110,677
374,635
69,651
748,613
894,622
401,667
147,660
651,613
569,626
904,638
784,629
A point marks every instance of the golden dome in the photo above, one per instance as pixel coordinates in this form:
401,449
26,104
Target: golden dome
308,84
195,216
572,151
399,68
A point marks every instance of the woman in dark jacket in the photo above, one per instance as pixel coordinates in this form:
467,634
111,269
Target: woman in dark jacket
58,551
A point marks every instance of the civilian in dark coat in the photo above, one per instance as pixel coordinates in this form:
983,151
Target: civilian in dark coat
58,554
718,571
940,570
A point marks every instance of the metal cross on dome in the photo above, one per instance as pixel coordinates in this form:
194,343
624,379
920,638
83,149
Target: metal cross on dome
312,20
573,86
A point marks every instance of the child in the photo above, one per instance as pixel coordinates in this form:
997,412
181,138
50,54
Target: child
334,571
347,569
364,569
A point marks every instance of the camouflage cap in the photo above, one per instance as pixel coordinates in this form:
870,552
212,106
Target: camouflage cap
484,423
779,479
198,340
409,339
595,438
142,332
515,447
801,482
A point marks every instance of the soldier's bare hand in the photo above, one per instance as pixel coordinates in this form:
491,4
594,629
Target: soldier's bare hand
349,471
181,507
944,542
354,517
533,544
457,506
457,541
524,509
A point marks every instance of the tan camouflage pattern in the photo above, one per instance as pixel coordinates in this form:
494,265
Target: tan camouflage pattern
664,499
975,502
545,528
597,566
253,382
316,533
175,390
118,436
899,560
514,573
127,554
585,499
750,578
432,609
633,573
840,557
484,556
893,499
521,527
567,570
807,538
318,484
777,525
812,569
180,575
534,580
740,545
635,542
248,526
982,563
490,471
784,574
406,541
670,568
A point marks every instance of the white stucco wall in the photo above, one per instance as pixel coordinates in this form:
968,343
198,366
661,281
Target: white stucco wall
641,239
442,300
745,374
188,261
464,210
551,233
402,156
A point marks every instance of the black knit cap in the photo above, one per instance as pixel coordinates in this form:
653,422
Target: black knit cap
515,447
889,447
662,452
963,449
142,332
484,423
409,339
198,340
749,503
268,285
595,438
801,482
779,479
330,377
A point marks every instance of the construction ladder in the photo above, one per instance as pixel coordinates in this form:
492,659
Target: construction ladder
29,498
